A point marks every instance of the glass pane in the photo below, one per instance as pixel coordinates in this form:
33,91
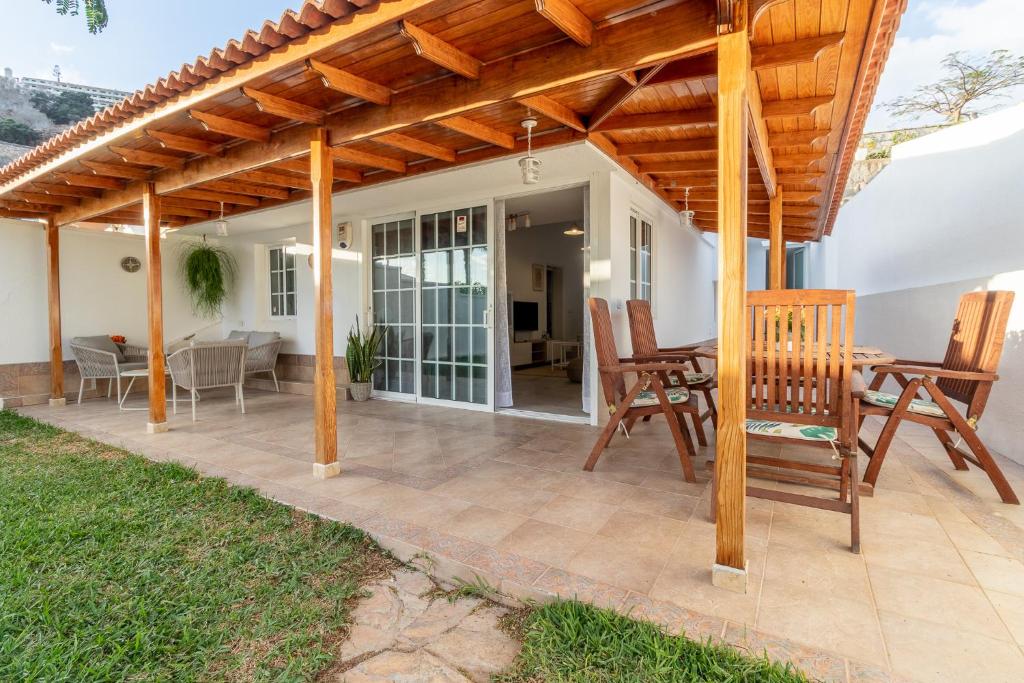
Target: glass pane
429,348
479,385
275,304
407,334
391,342
443,341
632,232
462,352
391,243
290,303
290,280
379,266
460,267
393,382
428,237
408,277
394,273
444,230
429,380
479,305
463,295
480,345
289,259
429,306
275,259
405,241
444,381
478,266
463,388
378,308
444,306
408,306
392,309
462,228
479,219
378,239
408,378
380,379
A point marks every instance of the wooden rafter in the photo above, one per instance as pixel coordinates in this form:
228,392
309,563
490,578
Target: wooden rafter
226,197
350,84
283,107
246,187
417,146
185,143
678,166
226,126
796,138
268,177
689,145
797,178
556,111
622,91
88,180
798,160
802,106
480,131
757,134
569,20
116,170
362,158
147,158
794,52
685,117
43,198
444,54
302,166
65,190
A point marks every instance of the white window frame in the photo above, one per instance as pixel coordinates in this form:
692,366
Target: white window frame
637,220
283,248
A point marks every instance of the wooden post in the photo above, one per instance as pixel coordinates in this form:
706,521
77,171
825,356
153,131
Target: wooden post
730,569
325,417
776,245
53,292
155,310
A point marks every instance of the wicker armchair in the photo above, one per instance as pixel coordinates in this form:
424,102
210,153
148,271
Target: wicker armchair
206,366
261,356
99,357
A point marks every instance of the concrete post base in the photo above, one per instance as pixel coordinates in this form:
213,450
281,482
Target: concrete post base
729,578
58,402
326,471
156,427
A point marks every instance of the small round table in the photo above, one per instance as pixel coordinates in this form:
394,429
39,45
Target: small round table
132,374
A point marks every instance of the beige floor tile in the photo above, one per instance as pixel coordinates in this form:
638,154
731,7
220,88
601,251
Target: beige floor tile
940,561
821,619
923,651
484,525
626,564
970,536
903,525
810,529
1011,611
688,584
583,515
548,543
386,497
657,533
943,602
1002,574
592,488
661,503
831,571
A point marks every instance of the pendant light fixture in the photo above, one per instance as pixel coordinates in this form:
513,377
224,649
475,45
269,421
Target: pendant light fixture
222,225
686,213
529,165
573,231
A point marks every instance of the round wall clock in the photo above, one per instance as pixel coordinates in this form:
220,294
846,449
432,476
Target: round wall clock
130,264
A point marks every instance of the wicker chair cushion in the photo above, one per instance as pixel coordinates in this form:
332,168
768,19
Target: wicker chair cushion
131,366
917,405
239,334
261,338
792,430
649,398
100,342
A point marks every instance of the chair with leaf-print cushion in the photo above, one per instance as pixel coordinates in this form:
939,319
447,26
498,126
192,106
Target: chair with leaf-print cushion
648,396
965,375
802,388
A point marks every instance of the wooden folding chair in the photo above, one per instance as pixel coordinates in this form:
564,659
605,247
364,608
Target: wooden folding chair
965,375
802,388
646,350
647,397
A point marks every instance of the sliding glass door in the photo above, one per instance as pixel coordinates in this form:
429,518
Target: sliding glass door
393,286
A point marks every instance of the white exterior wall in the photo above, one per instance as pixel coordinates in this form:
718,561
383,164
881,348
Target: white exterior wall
944,218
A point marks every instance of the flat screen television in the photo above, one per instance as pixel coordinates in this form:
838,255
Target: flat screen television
524,316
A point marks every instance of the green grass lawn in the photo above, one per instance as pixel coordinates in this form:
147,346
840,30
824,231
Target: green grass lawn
570,642
113,568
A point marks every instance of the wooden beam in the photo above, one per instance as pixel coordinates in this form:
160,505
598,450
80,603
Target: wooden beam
417,146
13,213
116,170
226,197
185,143
800,178
689,145
445,55
556,111
64,190
796,138
730,570
696,68
283,107
168,202
226,126
801,195
27,207
246,187
794,52
53,298
350,84
802,106
569,20
325,417
370,159
87,180
798,160
686,117
678,166
51,199
776,245
622,91
480,131
269,177
145,158
155,310
758,136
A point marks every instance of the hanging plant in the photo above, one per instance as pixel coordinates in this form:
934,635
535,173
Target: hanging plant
208,272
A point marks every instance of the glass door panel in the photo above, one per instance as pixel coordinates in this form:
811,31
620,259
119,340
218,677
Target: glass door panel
454,304
394,279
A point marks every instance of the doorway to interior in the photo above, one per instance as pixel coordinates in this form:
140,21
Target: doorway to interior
545,259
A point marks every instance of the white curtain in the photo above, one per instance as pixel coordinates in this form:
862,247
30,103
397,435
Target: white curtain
585,350
503,357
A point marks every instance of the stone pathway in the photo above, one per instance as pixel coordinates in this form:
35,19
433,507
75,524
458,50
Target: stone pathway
408,630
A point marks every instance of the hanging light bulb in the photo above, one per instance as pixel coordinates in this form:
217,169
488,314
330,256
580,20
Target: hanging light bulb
686,213
529,165
573,231
222,225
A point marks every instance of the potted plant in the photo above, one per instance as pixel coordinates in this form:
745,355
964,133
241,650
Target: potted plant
361,358
208,272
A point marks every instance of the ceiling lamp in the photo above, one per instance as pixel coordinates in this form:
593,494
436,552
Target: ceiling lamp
686,213
222,225
574,231
529,165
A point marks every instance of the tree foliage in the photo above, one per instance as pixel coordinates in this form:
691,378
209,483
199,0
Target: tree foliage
67,107
95,12
18,133
967,80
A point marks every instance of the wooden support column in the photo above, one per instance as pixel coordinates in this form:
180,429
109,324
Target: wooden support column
53,292
776,245
155,310
730,568
325,417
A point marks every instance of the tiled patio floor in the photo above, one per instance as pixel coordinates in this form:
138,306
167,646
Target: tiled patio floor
938,593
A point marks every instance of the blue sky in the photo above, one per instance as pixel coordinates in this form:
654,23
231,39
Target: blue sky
146,40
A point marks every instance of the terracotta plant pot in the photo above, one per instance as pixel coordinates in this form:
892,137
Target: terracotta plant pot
360,391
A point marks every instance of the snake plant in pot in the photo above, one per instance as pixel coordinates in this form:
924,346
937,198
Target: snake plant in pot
361,358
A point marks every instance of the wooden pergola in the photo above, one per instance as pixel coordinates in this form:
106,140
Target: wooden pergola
756,106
